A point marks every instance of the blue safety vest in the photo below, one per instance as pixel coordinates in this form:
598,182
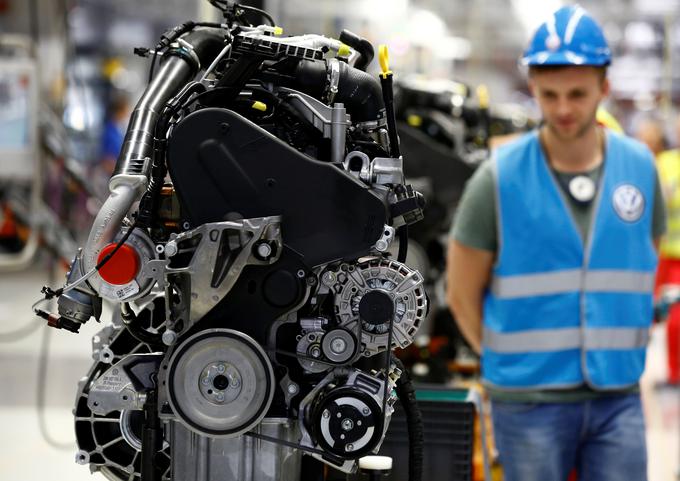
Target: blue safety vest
559,313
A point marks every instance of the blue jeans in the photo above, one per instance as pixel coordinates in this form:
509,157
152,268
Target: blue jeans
604,439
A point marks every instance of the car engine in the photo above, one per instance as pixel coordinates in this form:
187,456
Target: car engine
246,244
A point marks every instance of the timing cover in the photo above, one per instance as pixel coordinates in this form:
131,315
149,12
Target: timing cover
221,164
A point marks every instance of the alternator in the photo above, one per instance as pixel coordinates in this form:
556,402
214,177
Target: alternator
377,293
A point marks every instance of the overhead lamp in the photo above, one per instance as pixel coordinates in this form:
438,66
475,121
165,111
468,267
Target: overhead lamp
531,13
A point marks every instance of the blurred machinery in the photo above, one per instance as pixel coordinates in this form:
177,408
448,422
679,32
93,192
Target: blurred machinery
20,172
246,241
39,177
445,132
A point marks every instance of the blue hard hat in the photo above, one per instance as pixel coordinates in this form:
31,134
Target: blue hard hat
570,37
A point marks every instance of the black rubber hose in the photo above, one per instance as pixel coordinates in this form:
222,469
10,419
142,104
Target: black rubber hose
152,439
178,68
358,91
130,321
362,92
361,45
414,422
207,42
173,34
138,142
149,203
402,232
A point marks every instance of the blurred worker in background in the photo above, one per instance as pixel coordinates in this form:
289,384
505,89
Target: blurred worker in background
116,119
115,125
551,269
650,132
668,273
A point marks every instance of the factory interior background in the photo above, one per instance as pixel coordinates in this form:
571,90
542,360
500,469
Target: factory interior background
70,77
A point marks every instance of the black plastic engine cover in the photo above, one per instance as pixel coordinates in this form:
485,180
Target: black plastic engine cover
221,164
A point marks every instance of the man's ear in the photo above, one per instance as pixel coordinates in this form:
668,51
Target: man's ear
532,86
606,87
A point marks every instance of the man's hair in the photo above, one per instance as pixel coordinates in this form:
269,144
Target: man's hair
534,69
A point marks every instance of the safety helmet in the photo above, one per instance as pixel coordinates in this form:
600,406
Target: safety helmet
570,37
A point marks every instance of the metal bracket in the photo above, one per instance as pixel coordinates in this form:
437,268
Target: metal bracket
385,241
124,385
207,286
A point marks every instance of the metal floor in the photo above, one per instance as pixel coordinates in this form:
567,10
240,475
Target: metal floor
26,456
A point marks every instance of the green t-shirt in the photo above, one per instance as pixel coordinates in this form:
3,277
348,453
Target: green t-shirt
475,218
475,226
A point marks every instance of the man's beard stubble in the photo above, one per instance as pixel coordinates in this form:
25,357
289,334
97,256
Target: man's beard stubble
578,134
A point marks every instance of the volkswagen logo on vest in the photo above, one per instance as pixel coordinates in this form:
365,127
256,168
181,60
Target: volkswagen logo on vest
629,203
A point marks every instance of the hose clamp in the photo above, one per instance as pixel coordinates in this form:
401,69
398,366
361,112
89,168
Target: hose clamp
190,50
333,80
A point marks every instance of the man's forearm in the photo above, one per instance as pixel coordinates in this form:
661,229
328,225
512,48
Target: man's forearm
468,272
468,316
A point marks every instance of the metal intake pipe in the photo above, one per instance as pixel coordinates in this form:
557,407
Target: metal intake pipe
135,155
133,167
108,221
197,47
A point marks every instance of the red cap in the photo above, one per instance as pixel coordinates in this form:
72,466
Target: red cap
122,267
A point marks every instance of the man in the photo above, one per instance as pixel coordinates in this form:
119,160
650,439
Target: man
551,269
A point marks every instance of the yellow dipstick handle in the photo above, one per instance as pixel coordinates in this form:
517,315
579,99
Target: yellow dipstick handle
384,59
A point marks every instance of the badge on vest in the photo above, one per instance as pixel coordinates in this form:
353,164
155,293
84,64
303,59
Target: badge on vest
629,203
582,188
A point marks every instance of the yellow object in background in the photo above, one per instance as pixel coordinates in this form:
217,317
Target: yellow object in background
414,120
608,120
111,66
483,96
668,165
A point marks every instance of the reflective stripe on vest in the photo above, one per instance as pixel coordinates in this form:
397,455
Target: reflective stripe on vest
529,285
545,340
